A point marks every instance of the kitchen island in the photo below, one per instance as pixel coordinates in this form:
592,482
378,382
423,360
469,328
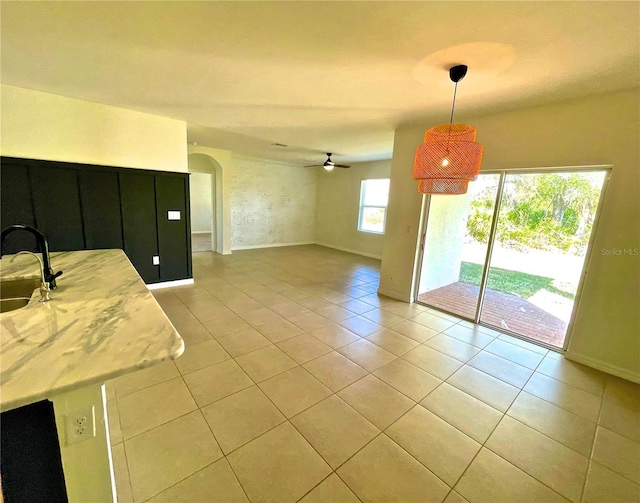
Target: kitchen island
101,322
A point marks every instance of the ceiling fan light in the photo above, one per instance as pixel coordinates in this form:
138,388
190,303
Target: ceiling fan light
328,167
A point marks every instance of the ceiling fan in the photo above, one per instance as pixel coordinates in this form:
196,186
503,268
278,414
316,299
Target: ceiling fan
328,164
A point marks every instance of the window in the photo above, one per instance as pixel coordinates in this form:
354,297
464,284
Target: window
374,195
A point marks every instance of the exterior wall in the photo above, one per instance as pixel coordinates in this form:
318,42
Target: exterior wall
444,240
271,204
338,207
597,130
39,125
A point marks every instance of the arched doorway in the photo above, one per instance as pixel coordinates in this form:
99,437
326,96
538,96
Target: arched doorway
206,203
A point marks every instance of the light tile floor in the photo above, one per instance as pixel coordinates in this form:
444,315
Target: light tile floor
300,383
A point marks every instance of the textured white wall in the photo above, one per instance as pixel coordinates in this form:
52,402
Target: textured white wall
201,199
271,204
339,204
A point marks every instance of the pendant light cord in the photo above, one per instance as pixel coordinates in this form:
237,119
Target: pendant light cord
453,106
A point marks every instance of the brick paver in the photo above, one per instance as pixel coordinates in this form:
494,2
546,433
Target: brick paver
501,310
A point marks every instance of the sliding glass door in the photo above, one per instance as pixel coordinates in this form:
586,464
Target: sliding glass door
455,247
510,253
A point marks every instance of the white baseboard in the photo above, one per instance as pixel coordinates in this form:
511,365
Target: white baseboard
350,250
605,367
395,295
275,245
169,284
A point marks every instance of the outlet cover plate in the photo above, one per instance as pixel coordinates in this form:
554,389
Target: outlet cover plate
80,425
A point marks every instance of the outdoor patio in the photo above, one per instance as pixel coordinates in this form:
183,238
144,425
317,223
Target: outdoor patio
501,310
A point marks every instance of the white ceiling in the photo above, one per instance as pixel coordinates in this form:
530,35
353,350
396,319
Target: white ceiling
318,76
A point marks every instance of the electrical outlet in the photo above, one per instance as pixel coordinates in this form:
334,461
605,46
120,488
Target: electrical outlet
80,425
156,260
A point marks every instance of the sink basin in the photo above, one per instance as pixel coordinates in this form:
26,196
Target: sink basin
16,293
12,304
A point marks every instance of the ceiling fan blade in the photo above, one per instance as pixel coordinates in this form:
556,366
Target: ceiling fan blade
315,166
341,166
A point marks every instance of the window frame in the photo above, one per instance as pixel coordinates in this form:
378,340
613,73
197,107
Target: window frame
362,206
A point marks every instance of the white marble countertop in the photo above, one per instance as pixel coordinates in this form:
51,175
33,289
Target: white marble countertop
101,322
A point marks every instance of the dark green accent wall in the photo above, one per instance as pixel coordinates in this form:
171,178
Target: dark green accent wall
87,207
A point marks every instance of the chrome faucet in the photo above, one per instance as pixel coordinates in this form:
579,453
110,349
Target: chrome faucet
48,275
44,286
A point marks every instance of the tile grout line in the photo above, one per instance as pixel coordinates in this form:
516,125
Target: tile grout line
126,461
501,457
545,435
334,470
287,420
178,417
482,445
590,459
532,374
506,414
415,458
224,455
556,405
124,447
521,389
382,432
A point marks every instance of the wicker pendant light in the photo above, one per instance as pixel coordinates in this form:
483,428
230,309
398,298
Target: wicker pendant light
449,158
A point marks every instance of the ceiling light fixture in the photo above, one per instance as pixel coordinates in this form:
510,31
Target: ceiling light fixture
329,164
449,158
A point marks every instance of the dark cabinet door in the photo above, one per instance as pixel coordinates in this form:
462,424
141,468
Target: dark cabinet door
171,203
57,207
137,193
16,206
100,197
30,460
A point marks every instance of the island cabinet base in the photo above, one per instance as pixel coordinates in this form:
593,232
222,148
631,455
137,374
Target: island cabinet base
41,463
64,350
30,455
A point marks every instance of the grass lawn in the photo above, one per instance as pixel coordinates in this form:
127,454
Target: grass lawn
514,282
